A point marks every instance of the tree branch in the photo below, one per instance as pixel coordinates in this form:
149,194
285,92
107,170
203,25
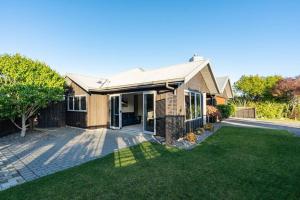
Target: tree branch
13,121
32,112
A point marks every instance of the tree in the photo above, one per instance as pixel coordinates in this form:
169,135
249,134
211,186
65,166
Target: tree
26,86
255,87
270,83
288,89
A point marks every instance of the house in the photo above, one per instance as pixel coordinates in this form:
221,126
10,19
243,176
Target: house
225,89
167,102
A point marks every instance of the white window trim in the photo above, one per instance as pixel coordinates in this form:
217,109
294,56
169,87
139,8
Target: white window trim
73,97
195,103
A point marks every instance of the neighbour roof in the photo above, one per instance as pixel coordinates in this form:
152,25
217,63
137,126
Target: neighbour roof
222,82
139,76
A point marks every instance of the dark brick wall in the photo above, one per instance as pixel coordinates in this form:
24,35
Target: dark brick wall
174,128
193,125
160,117
174,124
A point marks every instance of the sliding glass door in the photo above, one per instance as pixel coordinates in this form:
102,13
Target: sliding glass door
149,112
115,112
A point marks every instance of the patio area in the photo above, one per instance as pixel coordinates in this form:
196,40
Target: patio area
47,151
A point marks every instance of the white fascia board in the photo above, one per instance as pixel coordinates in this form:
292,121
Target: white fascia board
195,71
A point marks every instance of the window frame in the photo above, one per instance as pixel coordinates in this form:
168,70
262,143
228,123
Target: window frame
189,92
73,100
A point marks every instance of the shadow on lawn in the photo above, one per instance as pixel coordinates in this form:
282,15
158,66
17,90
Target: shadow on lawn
133,155
141,152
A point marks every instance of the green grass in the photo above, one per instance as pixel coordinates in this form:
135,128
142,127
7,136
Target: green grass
234,163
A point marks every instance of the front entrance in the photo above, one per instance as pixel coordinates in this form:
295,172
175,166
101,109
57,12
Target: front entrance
134,111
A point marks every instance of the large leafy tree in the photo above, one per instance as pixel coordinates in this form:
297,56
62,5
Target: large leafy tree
255,87
26,85
288,89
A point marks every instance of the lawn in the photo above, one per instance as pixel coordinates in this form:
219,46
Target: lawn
234,163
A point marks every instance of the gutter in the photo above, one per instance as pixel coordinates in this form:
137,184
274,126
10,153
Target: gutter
170,88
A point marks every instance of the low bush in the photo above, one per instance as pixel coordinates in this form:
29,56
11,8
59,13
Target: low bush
208,127
213,113
226,110
191,137
199,131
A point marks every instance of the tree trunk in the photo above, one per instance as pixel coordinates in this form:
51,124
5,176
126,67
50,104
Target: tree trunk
23,130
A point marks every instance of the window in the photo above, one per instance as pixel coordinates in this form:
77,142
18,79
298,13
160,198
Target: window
192,105
198,103
83,104
77,103
70,103
187,106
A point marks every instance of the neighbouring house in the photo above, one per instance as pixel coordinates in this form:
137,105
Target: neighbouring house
225,90
166,102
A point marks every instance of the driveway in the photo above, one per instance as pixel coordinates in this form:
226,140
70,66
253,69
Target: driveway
50,150
291,127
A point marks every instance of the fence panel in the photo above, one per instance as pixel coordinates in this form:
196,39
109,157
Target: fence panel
244,112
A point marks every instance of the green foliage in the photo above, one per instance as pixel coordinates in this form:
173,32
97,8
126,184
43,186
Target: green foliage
226,110
256,87
18,99
270,110
26,86
23,70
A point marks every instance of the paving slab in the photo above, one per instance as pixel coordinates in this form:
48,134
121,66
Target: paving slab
47,151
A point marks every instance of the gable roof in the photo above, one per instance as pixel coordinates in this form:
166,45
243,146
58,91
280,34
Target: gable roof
222,83
138,76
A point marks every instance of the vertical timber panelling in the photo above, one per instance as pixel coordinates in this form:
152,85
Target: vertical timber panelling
98,110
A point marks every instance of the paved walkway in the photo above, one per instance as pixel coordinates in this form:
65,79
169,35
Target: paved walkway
45,152
291,127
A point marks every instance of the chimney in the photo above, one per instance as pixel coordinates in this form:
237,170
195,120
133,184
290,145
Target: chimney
196,58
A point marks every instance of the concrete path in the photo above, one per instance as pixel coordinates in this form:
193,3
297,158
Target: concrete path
45,152
291,127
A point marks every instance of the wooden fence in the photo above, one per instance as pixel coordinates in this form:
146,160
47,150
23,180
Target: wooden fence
7,127
244,112
52,116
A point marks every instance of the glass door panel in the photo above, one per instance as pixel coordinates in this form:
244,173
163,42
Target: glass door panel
149,120
115,112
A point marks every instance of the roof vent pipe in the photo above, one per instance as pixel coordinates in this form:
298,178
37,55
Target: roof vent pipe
196,58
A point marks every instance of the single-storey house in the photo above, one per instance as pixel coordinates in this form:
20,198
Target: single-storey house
167,102
225,90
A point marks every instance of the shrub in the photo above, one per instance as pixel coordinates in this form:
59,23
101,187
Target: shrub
296,114
199,131
226,110
191,137
208,127
213,112
271,110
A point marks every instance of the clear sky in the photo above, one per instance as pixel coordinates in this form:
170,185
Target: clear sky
103,37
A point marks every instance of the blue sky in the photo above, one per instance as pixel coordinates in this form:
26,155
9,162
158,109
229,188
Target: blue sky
103,37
